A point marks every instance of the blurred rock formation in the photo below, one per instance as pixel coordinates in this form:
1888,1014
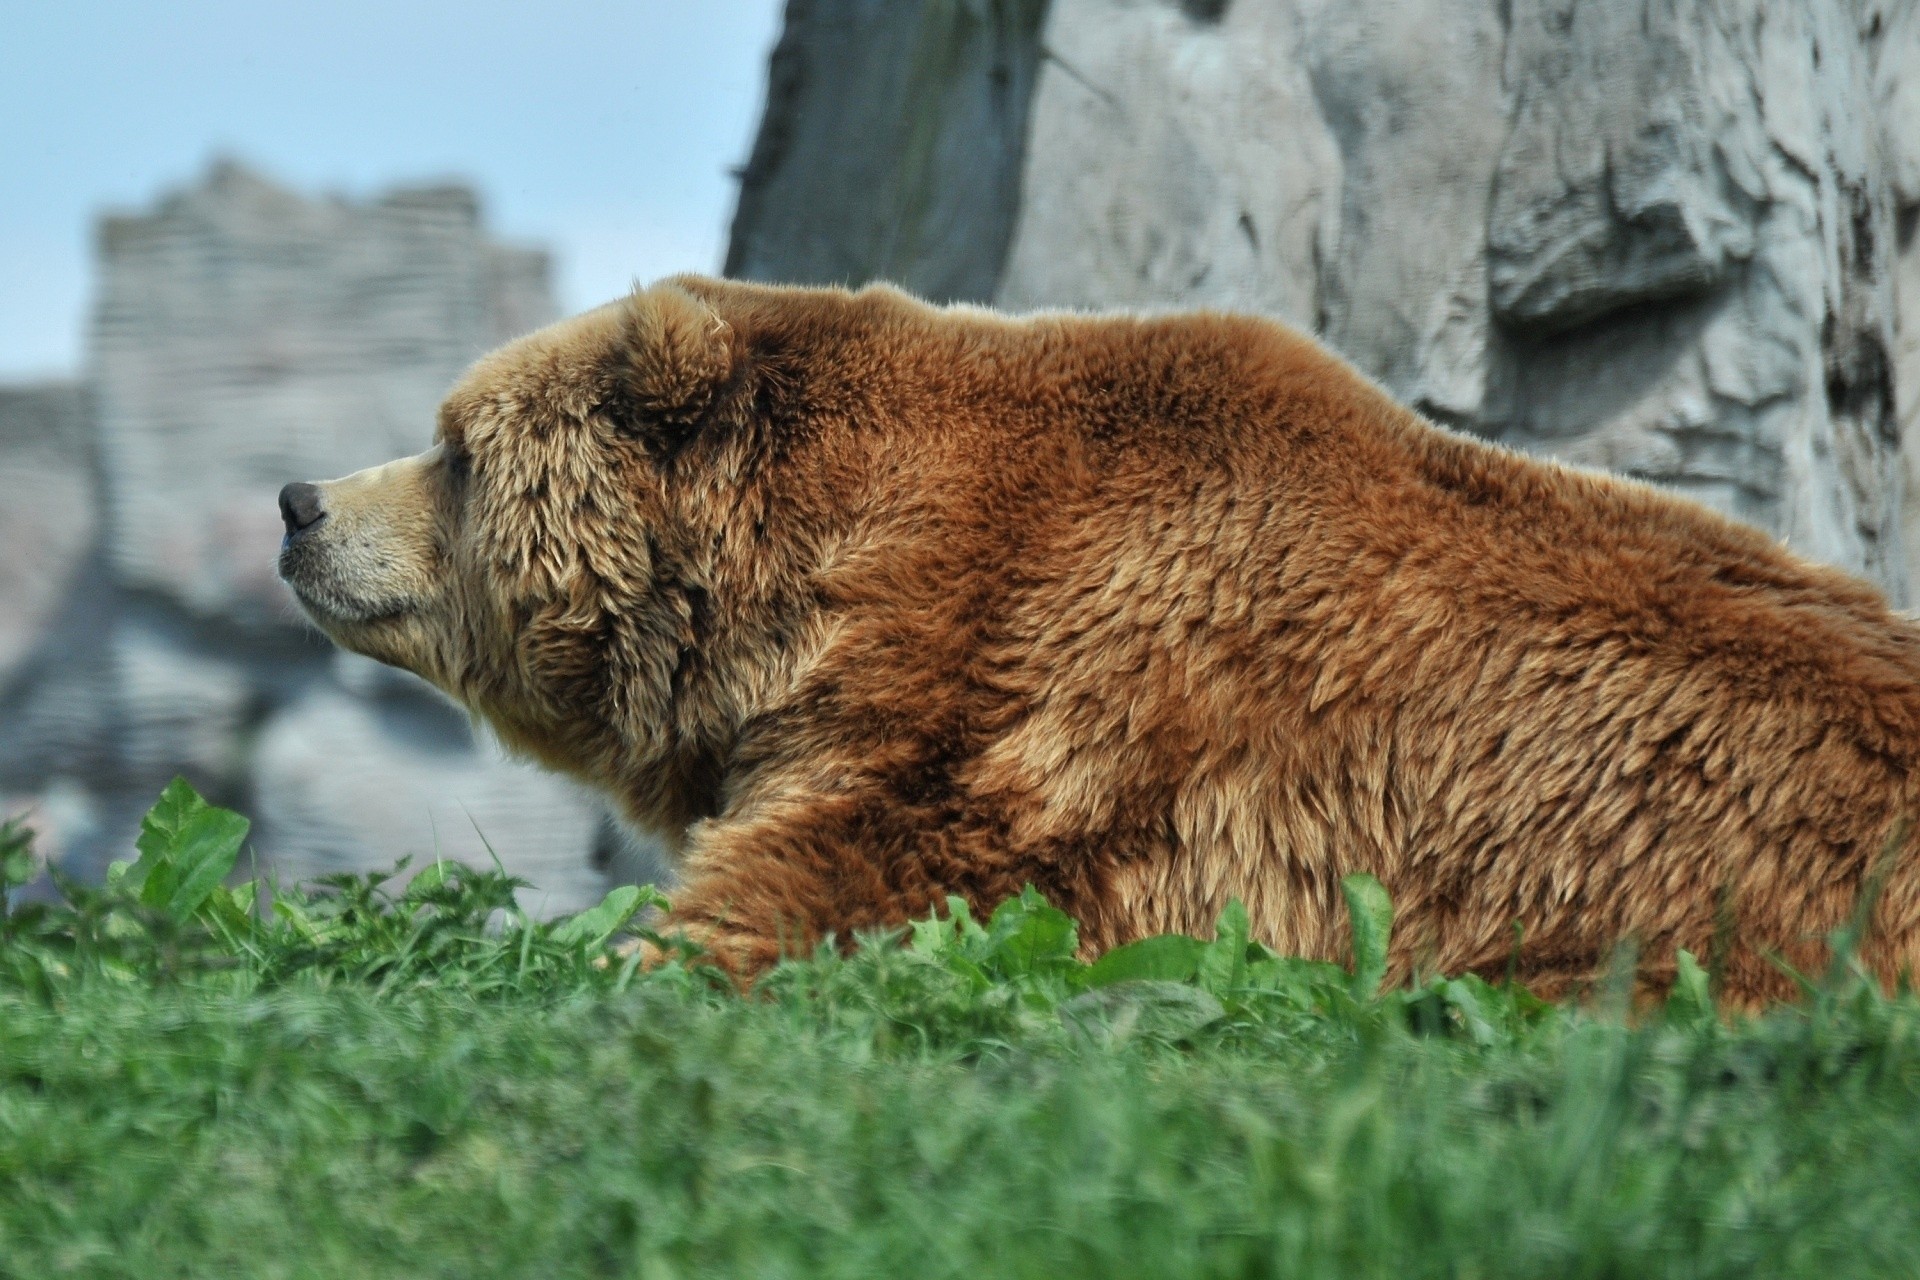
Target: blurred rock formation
1670,237
245,336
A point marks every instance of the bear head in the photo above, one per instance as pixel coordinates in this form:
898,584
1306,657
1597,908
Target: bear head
567,559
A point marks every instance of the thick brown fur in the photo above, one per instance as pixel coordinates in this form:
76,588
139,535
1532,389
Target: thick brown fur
865,602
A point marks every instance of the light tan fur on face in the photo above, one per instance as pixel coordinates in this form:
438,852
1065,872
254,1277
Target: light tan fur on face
369,573
878,602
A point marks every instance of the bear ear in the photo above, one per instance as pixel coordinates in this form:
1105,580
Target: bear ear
675,354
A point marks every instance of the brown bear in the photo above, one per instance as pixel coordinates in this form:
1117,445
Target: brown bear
866,602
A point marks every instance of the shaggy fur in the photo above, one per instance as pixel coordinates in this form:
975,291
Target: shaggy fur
865,602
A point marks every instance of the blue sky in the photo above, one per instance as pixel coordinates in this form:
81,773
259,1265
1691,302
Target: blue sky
602,130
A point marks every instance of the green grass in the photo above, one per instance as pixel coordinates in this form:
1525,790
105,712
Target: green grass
362,1081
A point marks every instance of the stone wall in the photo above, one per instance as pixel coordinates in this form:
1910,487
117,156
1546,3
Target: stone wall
244,336
1670,237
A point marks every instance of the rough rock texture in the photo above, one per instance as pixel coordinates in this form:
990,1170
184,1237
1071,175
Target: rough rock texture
246,336
1655,235
1897,80
936,96
1191,194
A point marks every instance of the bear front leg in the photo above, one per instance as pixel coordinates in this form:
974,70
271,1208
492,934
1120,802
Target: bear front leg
737,928
781,885
748,909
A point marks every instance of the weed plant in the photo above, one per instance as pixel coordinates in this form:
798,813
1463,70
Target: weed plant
375,1078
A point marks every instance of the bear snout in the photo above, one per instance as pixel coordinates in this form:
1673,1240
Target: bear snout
361,548
301,506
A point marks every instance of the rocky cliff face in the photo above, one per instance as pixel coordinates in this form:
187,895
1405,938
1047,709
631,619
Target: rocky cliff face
1669,237
891,145
245,336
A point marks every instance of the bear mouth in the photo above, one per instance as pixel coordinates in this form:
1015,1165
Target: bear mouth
314,578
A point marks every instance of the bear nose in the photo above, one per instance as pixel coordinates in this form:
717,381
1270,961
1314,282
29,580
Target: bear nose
300,506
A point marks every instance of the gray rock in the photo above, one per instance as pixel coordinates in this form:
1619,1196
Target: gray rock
49,512
626,855
56,605
59,717
353,784
245,336
130,704
1404,280
1174,160
1896,27
934,99
178,709
1610,191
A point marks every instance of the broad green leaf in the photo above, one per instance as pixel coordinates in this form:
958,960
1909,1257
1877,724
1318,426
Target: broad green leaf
1223,963
955,939
187,847
1269,972
966,929
592,927
1027,935
1370,911
931,937
1171,957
